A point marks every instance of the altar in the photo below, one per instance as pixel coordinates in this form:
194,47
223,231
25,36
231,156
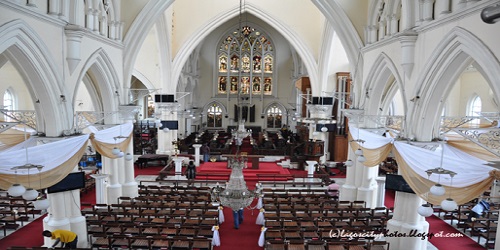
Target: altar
254,159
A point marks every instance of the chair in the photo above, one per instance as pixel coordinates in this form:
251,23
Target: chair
296,245
275,245
315,245
378,245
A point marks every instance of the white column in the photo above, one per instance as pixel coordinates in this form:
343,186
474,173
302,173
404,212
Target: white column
443,7
197,154
367,190
406,219
380,191
56,218
99,187
54,7
497,245
178,167
428,10
114,188
310,169
77,222
129,185
349,190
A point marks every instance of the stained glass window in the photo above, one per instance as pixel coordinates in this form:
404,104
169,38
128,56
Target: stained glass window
214,116
274,117
245,63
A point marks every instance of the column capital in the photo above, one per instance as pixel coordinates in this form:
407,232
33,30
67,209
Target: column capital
197,145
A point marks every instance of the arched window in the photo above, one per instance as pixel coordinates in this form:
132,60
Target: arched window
245,63
475,106
214,116
274,117
8,100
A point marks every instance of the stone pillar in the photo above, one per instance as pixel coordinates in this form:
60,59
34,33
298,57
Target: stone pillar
178,167
428,9
497,245
99,187
129,185
443,7
77,222
114,188
406,219
54,7
320,114
367,190
56,218
310,169
197,154
381,191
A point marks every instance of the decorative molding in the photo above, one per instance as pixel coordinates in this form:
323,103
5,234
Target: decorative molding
27,117
487,138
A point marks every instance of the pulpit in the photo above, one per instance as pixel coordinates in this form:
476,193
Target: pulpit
314,149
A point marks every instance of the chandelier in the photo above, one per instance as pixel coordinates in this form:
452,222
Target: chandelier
240,133
236,194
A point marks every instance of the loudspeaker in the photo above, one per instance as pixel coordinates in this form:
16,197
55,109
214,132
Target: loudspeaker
322,100
164,98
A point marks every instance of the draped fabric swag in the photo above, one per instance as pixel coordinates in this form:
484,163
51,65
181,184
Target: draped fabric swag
472,179
57,158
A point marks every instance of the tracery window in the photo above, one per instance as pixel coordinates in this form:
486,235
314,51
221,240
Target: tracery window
214,116
246,63
475,107
8,100
274,117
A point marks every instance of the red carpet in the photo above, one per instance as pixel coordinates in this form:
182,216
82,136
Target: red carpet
267,168
437,225
246,237
28,236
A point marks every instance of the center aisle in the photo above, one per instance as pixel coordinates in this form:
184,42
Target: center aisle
246,237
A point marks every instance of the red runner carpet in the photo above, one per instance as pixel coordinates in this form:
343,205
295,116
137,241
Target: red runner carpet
28,236
437,225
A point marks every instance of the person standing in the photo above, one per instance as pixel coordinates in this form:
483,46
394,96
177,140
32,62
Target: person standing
67,238
238,218
191,172
205,150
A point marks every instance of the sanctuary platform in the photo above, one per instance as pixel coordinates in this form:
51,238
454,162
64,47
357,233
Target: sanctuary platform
268,171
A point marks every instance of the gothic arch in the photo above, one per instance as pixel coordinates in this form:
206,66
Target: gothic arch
280,105
450,58
221,105
376,84
105,79
27,51
155,9
282,28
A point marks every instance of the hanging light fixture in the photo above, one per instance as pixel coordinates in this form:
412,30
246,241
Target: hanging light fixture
437,189
41,202
426,209
30,193
116,151
349,163
324,129
361,158
166,130
16,189
129,157
449,204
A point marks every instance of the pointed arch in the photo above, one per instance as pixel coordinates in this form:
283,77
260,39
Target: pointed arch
105,80
221,105
28,53
450,58
376,84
